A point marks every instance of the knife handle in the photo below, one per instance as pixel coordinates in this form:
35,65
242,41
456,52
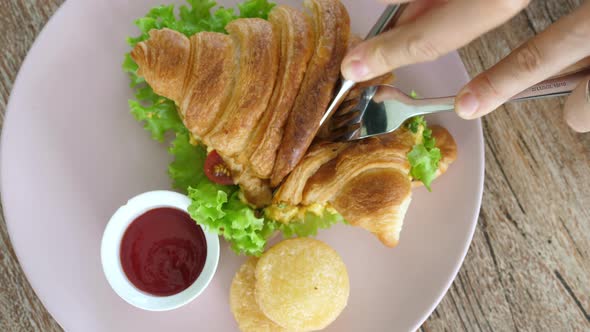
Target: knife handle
387,20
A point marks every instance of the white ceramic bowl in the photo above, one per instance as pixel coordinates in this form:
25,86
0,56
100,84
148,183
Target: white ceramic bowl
110,253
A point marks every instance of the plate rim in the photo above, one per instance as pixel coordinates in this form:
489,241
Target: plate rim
7,116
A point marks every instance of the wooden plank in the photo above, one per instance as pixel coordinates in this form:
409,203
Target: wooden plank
528,267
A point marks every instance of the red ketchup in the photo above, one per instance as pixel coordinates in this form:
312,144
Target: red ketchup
163,251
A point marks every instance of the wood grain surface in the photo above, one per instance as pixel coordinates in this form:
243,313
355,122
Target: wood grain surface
528,268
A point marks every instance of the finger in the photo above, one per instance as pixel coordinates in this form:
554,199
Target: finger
563,43
584,63
577,108
438,31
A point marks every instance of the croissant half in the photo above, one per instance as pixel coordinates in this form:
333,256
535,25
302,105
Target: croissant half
366,181
296,48
331,26
256,95
237,93
255,74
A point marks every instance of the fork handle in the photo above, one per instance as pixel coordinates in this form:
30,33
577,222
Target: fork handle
554,87
387,20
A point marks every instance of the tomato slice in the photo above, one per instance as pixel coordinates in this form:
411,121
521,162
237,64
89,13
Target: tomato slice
216,169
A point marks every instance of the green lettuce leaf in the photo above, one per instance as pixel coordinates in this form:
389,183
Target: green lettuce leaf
186,169
424,163
158,117
416,123
423,157
207,204
219,209
310,225
246,232
255,8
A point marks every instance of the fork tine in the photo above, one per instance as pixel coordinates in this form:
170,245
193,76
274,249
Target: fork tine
341,120
347,106
381,109
345,113
354,94
343,133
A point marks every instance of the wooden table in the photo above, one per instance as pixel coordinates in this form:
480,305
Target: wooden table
528,267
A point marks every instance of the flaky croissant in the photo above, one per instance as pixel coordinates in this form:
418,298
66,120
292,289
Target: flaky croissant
331,26
296,36
366,181
199,75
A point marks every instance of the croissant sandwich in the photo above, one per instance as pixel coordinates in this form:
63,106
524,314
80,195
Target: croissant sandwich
256,95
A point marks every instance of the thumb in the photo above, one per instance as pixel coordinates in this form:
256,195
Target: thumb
369,59
577,108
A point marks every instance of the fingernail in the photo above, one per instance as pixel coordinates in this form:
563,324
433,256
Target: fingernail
588,91
576,110
356,71
467,104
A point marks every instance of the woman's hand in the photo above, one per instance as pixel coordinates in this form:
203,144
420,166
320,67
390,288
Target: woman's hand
431,28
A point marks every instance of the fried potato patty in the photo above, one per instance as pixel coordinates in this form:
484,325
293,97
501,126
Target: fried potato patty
301,284
243,302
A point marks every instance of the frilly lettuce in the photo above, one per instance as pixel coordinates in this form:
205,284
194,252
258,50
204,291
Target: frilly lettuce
425,156
310,225
219,209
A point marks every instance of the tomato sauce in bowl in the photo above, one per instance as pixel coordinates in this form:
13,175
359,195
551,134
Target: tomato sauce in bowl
154,255
163,251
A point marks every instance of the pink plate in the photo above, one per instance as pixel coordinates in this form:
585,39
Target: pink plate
72,154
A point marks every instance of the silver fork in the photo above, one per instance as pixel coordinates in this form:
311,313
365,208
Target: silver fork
384,108
386,21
